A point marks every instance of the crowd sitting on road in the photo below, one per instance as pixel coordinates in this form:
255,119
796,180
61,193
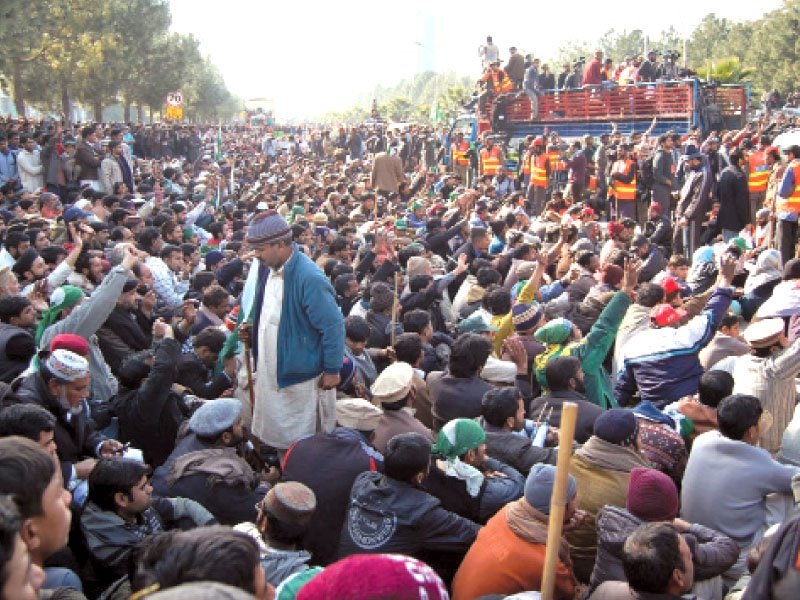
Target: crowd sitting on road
259,361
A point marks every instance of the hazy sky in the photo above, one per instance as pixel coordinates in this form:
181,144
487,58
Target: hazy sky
311,57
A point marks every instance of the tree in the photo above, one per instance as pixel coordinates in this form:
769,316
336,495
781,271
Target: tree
728,70
774,49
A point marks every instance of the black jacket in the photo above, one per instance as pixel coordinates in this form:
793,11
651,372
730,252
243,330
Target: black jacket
390,516
149,416
329,463
74,434
124,333
230,504
734,199
193,374
438,241
516,450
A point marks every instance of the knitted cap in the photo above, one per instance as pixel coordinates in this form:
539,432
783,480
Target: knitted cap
213,257
539,487
556,331
526,316
70,341
652,495
67,366
267,228
617,426
458,437
375,577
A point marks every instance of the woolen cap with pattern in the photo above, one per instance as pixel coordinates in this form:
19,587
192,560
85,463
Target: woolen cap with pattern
290,502
357,413
394,383
556,331
652,495
67,366
267,228
526,316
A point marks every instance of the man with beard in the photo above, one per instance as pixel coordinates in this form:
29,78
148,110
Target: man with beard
192,470
17,347
88,272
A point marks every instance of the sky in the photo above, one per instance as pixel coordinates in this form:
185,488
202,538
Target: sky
313,57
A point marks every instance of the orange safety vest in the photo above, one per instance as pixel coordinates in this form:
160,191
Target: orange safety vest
758,175
556,164
592,182
502,84
526,165
624,191
792,203
539,170
490,161
459,153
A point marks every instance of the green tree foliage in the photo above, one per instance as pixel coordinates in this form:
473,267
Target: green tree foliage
105,51
727,70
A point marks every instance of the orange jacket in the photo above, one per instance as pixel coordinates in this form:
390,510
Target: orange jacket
499,562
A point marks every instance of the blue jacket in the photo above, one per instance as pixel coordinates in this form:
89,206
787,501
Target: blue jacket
311,331
663,363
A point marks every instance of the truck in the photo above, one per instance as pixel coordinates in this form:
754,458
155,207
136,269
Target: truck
676,105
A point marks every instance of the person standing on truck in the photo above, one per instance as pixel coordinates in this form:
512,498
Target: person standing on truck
495,81
592,75
489,52
515,67
530,86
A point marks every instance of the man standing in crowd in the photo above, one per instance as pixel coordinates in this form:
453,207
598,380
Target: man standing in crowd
299,341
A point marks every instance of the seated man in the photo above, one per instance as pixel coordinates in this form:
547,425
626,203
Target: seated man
727,342
657,563
283,518
394,390
719,457
390,513
121,512
29,421
196,368
61,387
508,554
205,466
503,421
19,578
465,480
148,410
701,410
565,380
653,496
30,476
328,464
17,346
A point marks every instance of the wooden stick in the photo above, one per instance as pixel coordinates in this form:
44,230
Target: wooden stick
558,503
250,386
394,308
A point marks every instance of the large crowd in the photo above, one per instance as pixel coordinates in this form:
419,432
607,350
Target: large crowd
258,361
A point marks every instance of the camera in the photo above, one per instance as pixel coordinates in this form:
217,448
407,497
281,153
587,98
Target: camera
671,55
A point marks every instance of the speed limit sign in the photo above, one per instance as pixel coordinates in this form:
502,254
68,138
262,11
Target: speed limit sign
175,98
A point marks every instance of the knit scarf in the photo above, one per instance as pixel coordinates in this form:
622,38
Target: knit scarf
605,455
72,295
529,524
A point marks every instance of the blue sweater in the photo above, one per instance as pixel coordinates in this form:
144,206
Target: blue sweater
311,330
663,363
